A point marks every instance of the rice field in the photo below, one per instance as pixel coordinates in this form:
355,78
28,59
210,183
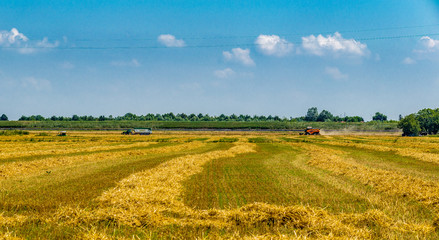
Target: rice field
218,185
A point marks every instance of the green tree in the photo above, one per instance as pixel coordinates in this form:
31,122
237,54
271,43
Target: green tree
325,116
379,117
428,120
75,118
410,125
4,117
312,115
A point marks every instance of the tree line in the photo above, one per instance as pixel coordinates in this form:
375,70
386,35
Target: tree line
425,121
312,116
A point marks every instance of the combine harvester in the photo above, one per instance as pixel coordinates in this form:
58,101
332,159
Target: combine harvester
311,131
138,131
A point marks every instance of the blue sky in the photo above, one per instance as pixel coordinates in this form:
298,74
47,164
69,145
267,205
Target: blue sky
243,57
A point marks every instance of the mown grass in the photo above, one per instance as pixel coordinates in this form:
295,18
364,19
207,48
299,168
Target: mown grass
278,174
282,171
75,185
392,162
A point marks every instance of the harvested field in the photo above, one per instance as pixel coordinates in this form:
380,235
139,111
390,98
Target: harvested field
218,185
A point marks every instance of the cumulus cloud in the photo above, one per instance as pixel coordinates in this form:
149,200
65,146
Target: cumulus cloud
428,44
7,38
273,45
335,73
333,44
18,41
170,41
408,61
132,63
225,73
36,84
239,55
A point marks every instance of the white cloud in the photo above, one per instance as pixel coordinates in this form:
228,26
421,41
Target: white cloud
273,45
132,63
225,73
7,38
428,44
408,61
36,84
170,41
15,40
333,44
335,73
239,55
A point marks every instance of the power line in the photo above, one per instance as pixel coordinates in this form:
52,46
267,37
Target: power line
194,37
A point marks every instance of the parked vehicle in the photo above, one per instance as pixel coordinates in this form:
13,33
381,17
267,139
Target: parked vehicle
138,131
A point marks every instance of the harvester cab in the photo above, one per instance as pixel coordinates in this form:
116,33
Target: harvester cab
127,132
311,131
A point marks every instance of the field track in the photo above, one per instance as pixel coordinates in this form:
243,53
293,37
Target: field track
218,185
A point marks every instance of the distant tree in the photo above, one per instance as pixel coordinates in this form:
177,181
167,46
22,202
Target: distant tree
39,118
206,118
158,117
149,117
262,118
53,118
222,117
23,118
325,116
312,115
355,119
4,117
75,118
102,118
410,125
193,117
129,116
233,117
379,117
182,115
428,120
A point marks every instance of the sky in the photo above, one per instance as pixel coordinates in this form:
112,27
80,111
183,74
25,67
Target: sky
244,57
